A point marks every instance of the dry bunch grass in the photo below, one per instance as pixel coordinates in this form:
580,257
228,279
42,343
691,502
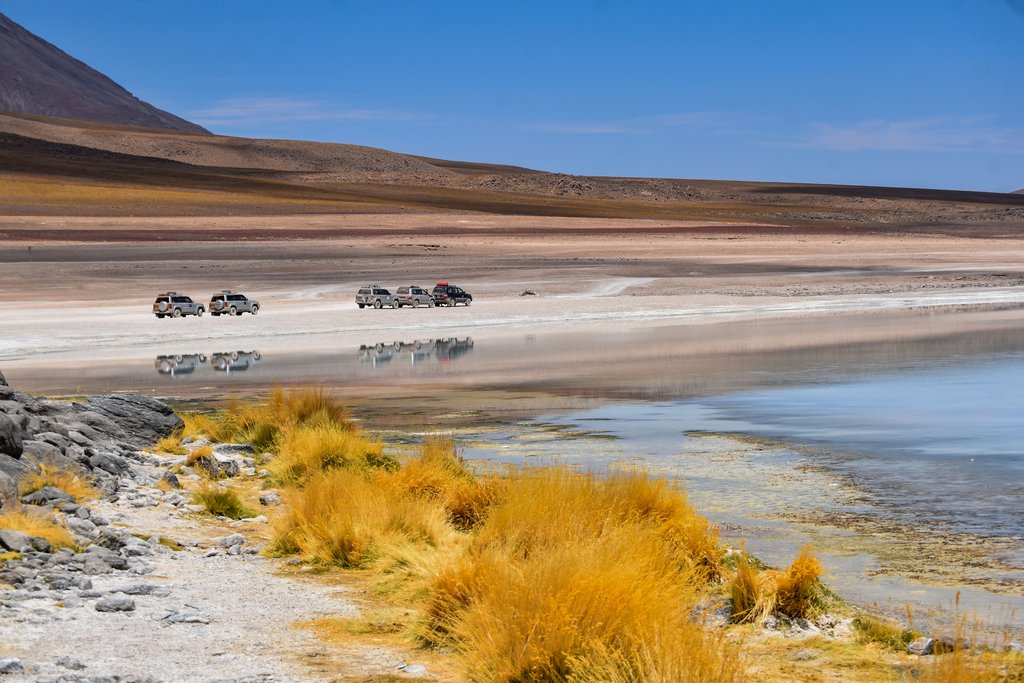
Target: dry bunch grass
170,444
70,482
222,502
794,592
36,523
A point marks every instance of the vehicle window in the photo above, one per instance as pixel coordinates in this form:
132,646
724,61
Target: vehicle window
163,299
364,291
217,297
236,297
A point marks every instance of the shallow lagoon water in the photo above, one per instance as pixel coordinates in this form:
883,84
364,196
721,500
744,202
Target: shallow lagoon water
908,480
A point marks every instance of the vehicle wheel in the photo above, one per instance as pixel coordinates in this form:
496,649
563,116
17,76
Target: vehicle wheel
378,304
361,305
178,359
469,301
200,312
233,311
234,355
256,355
379,347
415,303
255,310
395,304
451,303
177,313
430,304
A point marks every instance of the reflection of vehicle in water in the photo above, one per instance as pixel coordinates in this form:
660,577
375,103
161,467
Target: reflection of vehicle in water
234,361
179,364
444,350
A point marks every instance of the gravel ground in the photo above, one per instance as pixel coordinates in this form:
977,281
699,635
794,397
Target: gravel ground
235,614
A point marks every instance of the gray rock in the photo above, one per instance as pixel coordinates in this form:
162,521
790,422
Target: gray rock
83,512
99,520
922,646
231,541
14,540
10,437
82,526
233,448
94,565
270,498
55,439
115,603
41,544
61,556
140,420
43,453
144,589
413,669
11,665
79,438
70,663
186,617
13,467
46,495
235,550
171,480
108,462
1014,646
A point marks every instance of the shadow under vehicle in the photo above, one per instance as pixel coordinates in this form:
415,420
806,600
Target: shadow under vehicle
179,364
234,361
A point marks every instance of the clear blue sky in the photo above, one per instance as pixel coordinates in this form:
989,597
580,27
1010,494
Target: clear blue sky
925,93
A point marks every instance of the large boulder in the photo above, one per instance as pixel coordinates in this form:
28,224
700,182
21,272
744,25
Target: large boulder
140,420
13,467
10,437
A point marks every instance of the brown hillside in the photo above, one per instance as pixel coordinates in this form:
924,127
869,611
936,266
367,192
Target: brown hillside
53,167
39,78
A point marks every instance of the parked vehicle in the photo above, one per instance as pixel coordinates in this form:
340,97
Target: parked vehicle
376,296
445,294
413,295
174,305
179,364
226,302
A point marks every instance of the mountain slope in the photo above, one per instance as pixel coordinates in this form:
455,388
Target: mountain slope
39,78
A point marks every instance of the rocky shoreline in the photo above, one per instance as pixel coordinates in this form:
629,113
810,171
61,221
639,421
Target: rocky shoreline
154,590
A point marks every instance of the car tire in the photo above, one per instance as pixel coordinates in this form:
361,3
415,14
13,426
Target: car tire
379,347
451,303
430,304
177,313
469,301
360,305
415,303
255,310
199,313
378,304
233,311
396,304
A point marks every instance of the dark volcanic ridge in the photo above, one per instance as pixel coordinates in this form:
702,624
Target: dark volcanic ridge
39,78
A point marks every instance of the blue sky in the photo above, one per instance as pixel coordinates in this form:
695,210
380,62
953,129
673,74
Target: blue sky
923,93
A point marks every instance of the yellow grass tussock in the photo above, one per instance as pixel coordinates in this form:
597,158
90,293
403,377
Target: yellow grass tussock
307,449
222,502
70,482
793,592
349,517
170,444
36,523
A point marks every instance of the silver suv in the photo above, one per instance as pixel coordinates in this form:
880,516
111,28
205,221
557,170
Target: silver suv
174,305
413,295
376,296
226,302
